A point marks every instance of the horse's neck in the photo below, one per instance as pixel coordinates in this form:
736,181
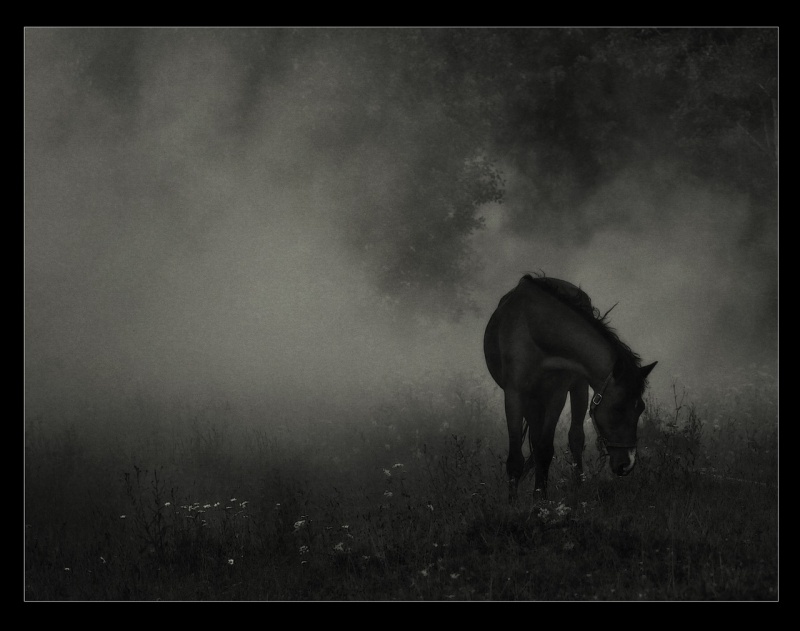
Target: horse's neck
594,354
574,339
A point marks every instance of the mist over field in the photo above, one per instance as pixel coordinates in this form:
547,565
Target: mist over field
310,217
258,266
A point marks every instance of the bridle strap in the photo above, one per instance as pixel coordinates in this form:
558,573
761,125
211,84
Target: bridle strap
596,400
598,396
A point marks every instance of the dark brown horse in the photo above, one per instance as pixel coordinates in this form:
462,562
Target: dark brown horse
545,340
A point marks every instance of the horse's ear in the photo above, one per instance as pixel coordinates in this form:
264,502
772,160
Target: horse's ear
645,370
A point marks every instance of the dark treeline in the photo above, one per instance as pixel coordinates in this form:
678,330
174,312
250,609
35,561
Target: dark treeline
416,130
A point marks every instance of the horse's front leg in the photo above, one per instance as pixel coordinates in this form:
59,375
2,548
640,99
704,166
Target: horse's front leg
579,403
542,446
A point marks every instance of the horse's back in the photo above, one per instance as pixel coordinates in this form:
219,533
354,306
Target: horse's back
511,352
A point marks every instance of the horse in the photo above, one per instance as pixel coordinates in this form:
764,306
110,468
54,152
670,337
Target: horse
545,340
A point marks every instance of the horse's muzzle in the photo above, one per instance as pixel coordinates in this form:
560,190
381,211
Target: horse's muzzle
624,468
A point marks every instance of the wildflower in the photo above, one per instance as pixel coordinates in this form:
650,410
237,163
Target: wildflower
206,505
345,526
299,524
245,503
429,506
102,560
166,504
230,561
387,493
424,572
66,569
583,504
387,473
454,575
233,499
303,549
562,510
397,465
122,516
543,513
216,504
339,547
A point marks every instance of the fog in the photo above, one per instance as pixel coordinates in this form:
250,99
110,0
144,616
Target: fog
189,221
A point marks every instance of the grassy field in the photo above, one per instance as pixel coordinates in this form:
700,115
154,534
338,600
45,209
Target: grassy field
407,502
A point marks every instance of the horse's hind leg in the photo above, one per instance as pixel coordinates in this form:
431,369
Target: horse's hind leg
533,415
579,403
516,461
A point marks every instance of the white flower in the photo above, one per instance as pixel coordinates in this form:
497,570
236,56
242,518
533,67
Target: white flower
562,510
455,575
122,516
303,549
543,513
299,524
230,561
424,572
429,506
397,465
166,504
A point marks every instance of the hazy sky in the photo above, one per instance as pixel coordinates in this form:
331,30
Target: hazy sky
184,236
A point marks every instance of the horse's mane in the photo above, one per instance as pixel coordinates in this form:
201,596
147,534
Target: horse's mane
628,363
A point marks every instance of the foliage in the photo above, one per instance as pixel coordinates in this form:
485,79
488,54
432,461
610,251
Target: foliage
409,132
411,506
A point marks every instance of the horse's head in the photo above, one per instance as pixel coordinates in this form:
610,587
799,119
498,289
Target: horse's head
615,411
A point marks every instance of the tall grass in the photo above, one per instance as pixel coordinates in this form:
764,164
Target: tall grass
408,502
